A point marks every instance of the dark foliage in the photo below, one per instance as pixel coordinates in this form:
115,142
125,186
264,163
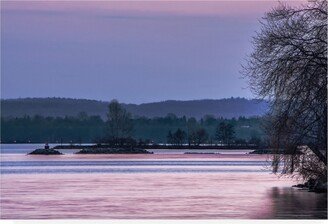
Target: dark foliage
289,66
87,129
225,133
119,125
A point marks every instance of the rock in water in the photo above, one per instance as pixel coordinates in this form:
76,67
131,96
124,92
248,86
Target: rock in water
45,152
113,151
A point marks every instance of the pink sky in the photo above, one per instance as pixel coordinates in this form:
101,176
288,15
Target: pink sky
155,50
180,7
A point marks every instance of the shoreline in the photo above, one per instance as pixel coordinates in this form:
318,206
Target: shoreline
154,147
135,151
108,149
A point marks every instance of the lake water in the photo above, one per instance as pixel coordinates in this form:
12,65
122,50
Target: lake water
167,184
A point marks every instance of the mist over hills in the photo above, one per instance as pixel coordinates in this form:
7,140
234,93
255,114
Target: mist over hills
60,107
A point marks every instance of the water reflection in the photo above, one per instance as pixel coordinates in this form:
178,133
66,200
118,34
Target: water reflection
156,195
188,187
294,203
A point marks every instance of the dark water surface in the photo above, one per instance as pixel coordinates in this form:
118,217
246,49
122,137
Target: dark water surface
174,185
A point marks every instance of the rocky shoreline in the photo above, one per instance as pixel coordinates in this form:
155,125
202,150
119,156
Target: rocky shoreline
261,151
93,151
45,152
155,146
202,153
312,185
113,151
269,151
102,149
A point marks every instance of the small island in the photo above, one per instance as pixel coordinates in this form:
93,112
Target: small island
94,149
113,151
211,153
45,151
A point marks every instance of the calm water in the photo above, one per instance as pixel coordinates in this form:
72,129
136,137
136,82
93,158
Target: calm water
160,185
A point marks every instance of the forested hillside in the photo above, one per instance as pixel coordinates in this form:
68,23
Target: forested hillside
61,107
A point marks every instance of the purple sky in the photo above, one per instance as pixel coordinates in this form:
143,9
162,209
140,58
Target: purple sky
135,52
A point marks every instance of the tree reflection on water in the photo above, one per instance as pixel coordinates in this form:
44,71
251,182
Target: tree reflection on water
294,203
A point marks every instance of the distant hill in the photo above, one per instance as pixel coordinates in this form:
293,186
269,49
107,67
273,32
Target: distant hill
227,108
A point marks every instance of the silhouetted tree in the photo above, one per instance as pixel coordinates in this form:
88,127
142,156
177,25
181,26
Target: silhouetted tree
225,133
201,136
169,138
289,67
191,130
119,123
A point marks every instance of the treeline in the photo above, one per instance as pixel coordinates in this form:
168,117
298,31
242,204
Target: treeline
169,129
39,129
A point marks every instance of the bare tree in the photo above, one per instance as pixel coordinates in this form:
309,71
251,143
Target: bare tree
119,122
289,68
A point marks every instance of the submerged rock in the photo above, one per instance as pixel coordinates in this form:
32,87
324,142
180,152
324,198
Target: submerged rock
45,152
113,151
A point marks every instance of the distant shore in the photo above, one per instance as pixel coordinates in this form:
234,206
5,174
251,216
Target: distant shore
108,149
186,147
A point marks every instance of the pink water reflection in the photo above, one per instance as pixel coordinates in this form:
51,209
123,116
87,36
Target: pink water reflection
242,195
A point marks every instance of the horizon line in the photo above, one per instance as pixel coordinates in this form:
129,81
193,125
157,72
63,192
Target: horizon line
105,101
